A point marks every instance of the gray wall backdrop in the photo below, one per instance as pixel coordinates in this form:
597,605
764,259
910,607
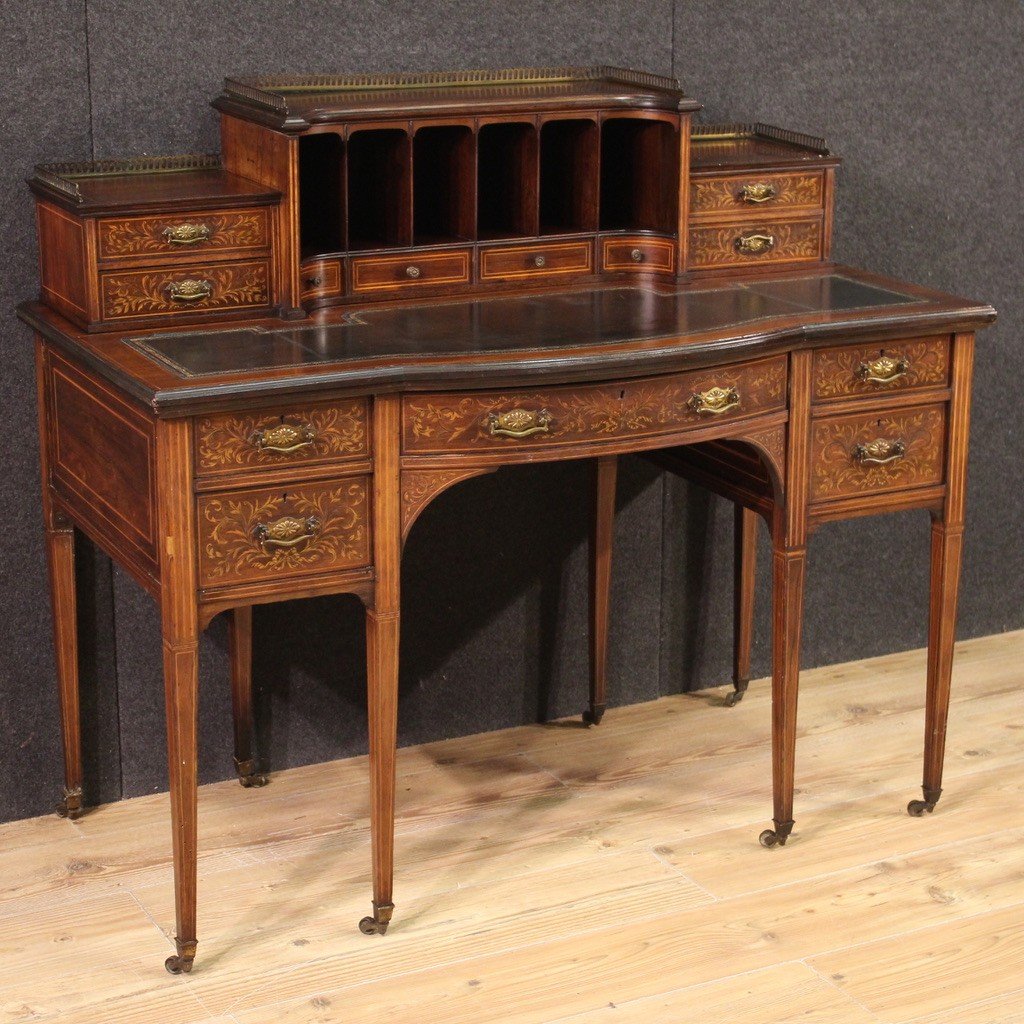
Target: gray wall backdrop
922,99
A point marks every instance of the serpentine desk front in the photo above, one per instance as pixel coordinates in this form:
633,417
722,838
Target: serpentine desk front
266,460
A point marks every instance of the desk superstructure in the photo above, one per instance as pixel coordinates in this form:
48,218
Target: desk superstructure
256,370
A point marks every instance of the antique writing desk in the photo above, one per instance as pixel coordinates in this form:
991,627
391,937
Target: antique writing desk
256,371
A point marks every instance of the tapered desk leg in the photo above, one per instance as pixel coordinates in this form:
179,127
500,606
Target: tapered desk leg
601,538
382,636
744,579
240,656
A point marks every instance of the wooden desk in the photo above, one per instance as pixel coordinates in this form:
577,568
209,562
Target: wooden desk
226,456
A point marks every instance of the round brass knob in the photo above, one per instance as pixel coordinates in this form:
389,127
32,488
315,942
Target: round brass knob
636,256
314,282
412,272
539,261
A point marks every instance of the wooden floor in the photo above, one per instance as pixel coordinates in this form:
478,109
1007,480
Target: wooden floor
555,873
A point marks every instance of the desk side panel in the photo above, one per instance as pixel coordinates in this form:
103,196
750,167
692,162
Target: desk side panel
102,454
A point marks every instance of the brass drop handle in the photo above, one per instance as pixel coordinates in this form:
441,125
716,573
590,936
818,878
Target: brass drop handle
284,438
519,423
883,370
286,533
189,290
187,234
636,255
755,245
757,192
879,452
539,261
714,402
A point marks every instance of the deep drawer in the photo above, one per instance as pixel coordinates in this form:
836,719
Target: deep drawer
416,270
550,417
742,245
184,234
552,259
853,370
749,194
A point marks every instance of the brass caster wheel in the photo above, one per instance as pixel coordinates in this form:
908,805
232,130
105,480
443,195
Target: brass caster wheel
769,838
371,926
917,808
737,694
594,714
255,781
70,805
178,965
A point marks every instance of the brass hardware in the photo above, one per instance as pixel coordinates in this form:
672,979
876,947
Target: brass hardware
636,255
878,452
539,261
518,423
189,290
754,245
284,438
314,282
412,272
286,533
187,234
883,370
714,402
759,192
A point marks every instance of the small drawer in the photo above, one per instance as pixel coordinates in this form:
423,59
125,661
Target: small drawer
558,416
304,530
415,270
746,194
515,262
310,435
743,245
184,291
320,279
182,234
638,254
853,370
877,452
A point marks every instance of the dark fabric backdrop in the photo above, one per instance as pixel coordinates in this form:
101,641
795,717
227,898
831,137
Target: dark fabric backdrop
923,101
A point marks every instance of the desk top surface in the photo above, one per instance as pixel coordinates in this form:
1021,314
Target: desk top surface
618,330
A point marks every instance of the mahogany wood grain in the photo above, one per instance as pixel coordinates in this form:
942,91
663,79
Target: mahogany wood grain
601,543
240,659
744,584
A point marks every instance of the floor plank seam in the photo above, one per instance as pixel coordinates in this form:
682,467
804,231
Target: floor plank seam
846,995
972,1005
682,874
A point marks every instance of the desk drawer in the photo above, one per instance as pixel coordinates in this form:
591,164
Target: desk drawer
744,245
880,452
304,435
185,291
753,195
184,234
552,417
273,534
551,259
638,254
410,272
853,370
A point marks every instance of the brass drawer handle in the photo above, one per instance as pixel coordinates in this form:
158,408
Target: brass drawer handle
754,245
539,261
187,234
284,438
412,272
879,452
518,423
314,282
189,290
883,370
286,533
636,255
758,192
714,402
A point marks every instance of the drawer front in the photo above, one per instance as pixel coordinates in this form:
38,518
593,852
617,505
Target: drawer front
185,291
320,279
552,417
516,262
405,273
638,254
743,245
854,370
251,535
749,194
308,435
864,453
185,233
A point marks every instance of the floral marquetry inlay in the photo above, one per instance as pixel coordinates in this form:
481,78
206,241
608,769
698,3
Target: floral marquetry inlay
253,535
723,246
839,372
184,233
782,190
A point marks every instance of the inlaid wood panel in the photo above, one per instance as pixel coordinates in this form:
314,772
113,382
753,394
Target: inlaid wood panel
283,436
184,233
748,194
499,420
411,271
851,370
516,262
185,291
273,534
320,278
744,245
877,452
638,254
